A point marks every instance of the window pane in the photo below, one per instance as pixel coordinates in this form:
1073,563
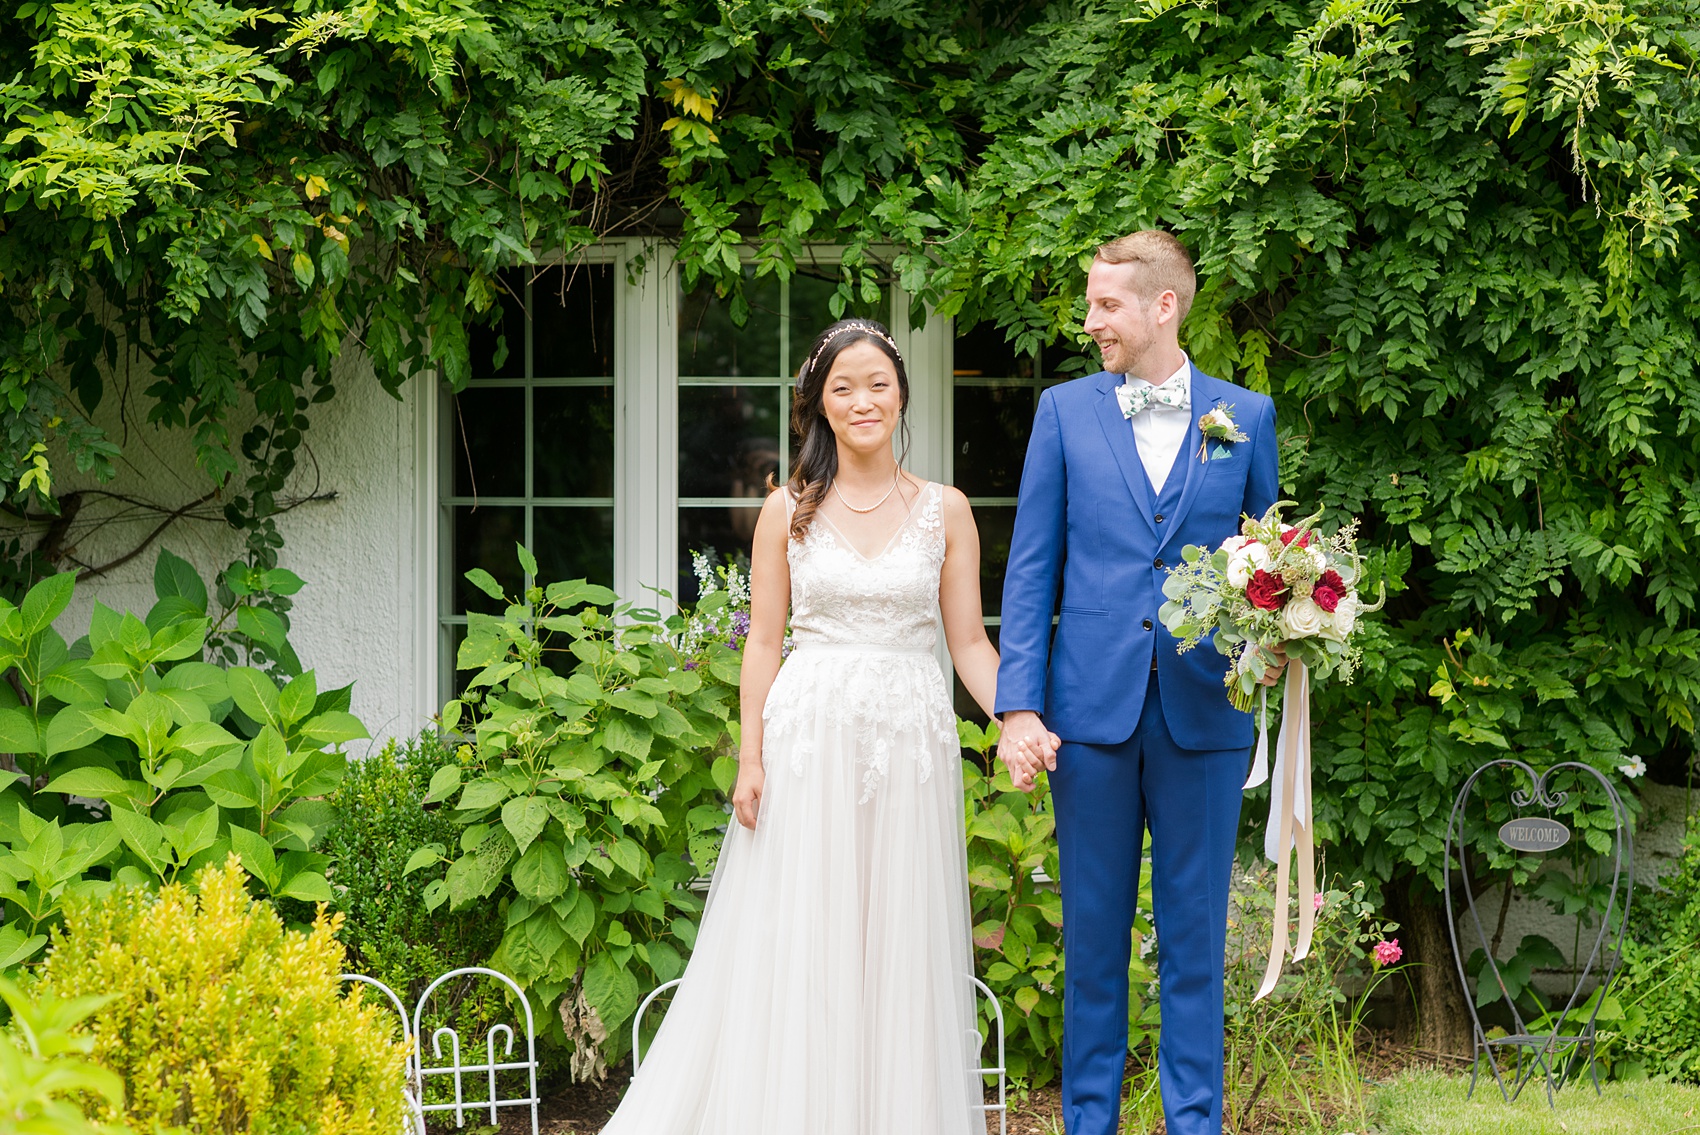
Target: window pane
992,425
572,308
574,543
510,323
728,440
487,435
484,538
982,351
573,441
717,532
711,345
996,525
811,313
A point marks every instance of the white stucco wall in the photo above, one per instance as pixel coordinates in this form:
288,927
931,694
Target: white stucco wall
367,613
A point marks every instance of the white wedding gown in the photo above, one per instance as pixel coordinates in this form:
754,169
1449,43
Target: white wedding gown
829,990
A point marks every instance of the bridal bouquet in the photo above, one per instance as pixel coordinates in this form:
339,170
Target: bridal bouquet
1274,584
1290,586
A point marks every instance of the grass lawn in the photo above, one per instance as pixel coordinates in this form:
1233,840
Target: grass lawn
1433,1103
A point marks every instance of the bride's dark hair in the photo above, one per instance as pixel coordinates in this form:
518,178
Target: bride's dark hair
817,459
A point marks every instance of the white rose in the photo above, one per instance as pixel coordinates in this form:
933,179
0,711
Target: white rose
1251,557
1302,618
1318,558
1234,543
1346,616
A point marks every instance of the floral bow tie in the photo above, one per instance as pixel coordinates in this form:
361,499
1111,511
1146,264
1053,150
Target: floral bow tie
1134,399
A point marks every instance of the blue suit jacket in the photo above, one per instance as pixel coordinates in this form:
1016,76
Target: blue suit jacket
1086,547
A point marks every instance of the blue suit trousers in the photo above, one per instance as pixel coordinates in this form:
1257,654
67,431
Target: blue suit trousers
1105,796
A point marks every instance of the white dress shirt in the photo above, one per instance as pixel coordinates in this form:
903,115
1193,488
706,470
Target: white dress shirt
1159,431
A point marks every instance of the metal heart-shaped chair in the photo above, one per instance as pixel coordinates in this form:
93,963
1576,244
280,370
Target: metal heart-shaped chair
1565,1036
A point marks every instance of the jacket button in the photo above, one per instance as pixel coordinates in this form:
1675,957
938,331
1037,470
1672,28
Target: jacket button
1159,518
1159,562
1146,624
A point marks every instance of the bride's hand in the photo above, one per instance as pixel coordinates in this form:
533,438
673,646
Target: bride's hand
746,793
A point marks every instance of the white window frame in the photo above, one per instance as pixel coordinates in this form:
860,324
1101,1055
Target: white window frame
646,436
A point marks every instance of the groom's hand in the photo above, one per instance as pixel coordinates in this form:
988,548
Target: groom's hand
1025,747
1272,674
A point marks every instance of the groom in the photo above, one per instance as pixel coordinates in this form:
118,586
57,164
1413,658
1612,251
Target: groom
1118,480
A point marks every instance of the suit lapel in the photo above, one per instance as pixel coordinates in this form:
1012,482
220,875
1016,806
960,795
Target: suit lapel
1205,397
1118,432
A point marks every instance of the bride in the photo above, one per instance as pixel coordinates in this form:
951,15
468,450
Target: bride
829,992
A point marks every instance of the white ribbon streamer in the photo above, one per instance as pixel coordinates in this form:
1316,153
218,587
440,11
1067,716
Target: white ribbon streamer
1290,820
1260,762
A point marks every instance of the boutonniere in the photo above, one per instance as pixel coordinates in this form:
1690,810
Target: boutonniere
1218,425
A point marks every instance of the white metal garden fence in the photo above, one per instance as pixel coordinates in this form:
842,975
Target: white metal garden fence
417,1073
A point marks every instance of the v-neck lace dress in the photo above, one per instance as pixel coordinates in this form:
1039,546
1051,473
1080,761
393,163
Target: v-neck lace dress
829,991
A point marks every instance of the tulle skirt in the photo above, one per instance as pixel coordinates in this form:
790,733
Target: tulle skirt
829,991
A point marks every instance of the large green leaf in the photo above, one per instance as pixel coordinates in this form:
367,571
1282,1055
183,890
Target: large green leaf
541,873
525,818
98,783
46,601
175,577
16,946
144,837
19,732
333,727
258,859
255,694
71,728
612,989
296,699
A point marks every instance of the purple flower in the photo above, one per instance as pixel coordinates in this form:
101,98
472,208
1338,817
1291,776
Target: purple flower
741,623
691,664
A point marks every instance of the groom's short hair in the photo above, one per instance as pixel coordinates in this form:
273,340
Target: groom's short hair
1161,264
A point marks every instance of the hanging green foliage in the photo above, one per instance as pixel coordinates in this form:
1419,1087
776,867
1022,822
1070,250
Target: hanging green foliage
1455,241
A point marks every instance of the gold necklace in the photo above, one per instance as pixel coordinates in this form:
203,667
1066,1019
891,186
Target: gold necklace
876,504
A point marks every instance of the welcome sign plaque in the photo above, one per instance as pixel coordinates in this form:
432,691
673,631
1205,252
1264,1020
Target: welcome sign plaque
1534,833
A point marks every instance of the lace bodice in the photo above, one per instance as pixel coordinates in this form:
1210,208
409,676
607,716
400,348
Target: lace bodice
839,595
862,682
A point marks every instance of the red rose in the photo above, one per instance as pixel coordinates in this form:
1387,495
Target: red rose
1266,591
1325,597
1292,534
1331,580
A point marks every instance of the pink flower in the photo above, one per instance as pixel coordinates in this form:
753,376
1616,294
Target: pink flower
1387,952
1317,903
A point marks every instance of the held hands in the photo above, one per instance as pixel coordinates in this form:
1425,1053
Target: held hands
746,793
1026,746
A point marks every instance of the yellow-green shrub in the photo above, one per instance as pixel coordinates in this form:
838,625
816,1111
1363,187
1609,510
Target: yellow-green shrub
221,1020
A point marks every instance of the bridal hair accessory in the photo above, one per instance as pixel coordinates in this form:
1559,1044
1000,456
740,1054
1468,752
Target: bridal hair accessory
865,328
1292,588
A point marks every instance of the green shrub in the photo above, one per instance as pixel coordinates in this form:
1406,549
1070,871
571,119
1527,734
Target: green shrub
380,819
42,1074
387,930
221,1020
1650,1025
588,796
188,761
